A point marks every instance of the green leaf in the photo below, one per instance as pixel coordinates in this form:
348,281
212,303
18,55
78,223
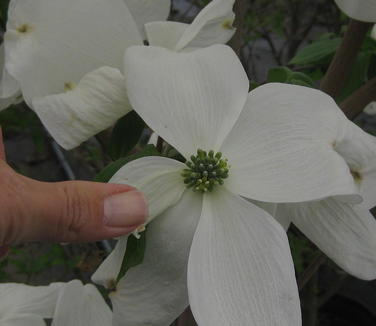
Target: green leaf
4,4
134,254
301,251
278,75
287,76
253,85
299,78
369,45
318,52
125,135
106,174
358,75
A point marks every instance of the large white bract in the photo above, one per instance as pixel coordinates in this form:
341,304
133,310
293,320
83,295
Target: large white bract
68,304
66,56
363,10
343,231
218,251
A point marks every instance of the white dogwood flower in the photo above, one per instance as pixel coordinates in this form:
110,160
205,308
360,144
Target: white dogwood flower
363,10
343,231
274,144
67,304
67,55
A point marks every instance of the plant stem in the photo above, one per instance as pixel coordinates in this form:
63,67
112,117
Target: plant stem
358,100
311,270
340,67
160,144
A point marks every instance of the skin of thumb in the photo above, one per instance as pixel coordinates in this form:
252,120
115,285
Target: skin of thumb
71,211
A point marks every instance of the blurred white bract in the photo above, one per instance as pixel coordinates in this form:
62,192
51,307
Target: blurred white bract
67,56
363,10
67,304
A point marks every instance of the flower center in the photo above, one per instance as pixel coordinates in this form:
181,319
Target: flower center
205,171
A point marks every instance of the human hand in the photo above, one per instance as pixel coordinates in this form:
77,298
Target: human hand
73,211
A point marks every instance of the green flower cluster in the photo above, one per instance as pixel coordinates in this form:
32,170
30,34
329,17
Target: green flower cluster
205,170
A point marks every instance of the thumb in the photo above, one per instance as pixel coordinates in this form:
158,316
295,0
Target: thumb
74,211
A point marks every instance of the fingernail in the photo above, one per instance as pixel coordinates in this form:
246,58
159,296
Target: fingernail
125,209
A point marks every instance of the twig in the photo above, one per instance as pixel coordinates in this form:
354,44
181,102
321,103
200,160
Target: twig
311,270
70,175
340,67
358,100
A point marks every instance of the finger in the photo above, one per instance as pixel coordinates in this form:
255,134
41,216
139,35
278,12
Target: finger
74,211
2,147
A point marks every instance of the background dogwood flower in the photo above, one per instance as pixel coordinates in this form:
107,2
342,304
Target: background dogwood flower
70,70
213,25
68,304
363,10
27,305
200,100
343,231
10,92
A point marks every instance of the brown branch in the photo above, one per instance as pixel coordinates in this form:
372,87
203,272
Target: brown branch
358,100
160,143
186,319
340,67
240,8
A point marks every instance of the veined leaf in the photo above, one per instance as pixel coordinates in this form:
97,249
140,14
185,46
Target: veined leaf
125,135
134,254
316,52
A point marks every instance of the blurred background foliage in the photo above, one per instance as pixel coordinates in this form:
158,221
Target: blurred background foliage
288,41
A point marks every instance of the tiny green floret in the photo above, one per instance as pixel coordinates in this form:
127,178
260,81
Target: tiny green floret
205,171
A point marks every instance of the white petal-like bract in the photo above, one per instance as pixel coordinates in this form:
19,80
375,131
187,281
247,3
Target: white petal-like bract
344,232
53,43
213,25
10,92
81,305
158,178
93,105
359,150
165,34
155,292
145,11
107,272
240,270
20,299
191,100
281,148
